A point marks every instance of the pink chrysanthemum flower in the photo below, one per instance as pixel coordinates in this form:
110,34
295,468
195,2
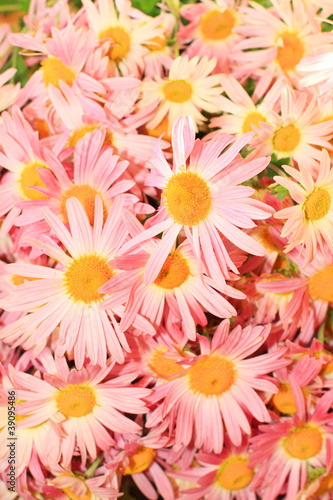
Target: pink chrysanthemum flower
282,37
22,156
218,389
78,485
201,195
69,295
179,287
111,21
295,133
285,449
39,443
240,111
81,402
226,476
67,51
309,223
317,70
309,294
95,172
210,30
189,89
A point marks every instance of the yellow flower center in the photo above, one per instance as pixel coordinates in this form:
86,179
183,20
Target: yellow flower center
85,276
177,91
54,71
81,132
321,284
216,25
121,42
188,198
76,400
317,204
290,52
234,473
156,43
286,138
252,119
303,442
140,460
284,400
29,178
211,375
174,272
162,366
86,195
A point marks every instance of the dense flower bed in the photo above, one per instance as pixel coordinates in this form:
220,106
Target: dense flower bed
166,241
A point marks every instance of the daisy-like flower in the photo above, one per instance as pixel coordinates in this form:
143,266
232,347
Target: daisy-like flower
217,389
178,287
67,51
201,194
94,173
189,89
240,112
226,476
69,295
285,449
282,36
309,223
76,486
210,30
81,402
295,133
111,21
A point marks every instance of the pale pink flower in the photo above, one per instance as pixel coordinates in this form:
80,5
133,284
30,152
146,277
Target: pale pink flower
217,389
9,92
309,222
68,295
284,449
81,403
201,195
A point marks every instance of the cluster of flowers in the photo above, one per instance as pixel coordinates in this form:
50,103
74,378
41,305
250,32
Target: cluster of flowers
166,248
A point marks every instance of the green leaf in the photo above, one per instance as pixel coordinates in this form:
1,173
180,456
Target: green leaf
280,191
147,6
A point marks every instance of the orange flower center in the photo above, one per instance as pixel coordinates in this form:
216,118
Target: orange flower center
54,71
86,195
85,276
286,138
284,400
29,178
290,52
317,204
19,280
140,460
303,442
161,128
177,91
42,128
252,119
156,43
76,400
162,366
68,491
121,42
325,485
216,25
188,198
321,285
234,473
211,375
174,272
